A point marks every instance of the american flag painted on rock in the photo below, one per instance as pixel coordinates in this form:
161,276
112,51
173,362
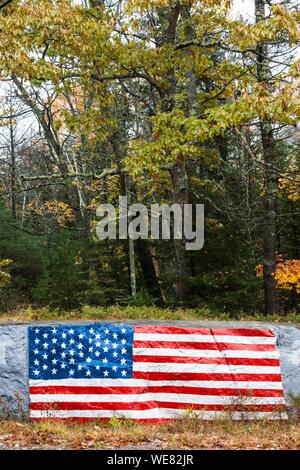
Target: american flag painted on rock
153,373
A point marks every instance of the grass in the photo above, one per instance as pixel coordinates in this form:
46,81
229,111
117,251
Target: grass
138,313
180,434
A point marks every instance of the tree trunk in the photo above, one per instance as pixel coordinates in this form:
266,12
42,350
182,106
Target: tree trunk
182,257
183,268
270,179
12,170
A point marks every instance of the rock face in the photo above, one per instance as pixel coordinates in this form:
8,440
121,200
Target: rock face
13,370
14,357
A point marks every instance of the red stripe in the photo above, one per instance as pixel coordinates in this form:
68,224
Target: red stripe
175,330
242,332
199,376
202,331
208,360
211,346
150,405
75,390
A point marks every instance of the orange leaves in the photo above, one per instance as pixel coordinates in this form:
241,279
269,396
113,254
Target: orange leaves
287,273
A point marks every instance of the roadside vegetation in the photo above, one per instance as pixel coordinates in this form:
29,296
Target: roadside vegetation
116,312
184,434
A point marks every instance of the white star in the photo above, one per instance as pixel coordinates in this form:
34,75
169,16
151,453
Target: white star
36,372
123,350
45,356
97,336
36,330
45,345
91,349
97,367
72,352
54,371
115,335
80,336
63,355
88,359
72,341
123,361
36,351
91,331
71,372
123,330
54,340
106,331
45,335
123,341
63,345
36,362
36,341
63,365
97,353
64,335
81,354
115,354
79,367
45,367
98,344
105,373
54,331
53,351
71,331
106,341
88,372
114,368
72,361
79,346
105,360
115,345
54,361
90,340
124,372
105,349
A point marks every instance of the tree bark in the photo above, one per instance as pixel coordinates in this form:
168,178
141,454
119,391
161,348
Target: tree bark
270,178
183,268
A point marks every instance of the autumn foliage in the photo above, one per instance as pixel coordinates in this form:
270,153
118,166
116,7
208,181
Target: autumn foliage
287,273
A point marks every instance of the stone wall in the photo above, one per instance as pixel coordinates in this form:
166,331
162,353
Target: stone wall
14,357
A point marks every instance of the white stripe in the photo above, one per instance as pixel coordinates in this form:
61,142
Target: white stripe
164,397
205,353
204,338
154,413
203,368
148,383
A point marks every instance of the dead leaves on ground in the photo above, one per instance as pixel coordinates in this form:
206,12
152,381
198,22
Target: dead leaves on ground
182,435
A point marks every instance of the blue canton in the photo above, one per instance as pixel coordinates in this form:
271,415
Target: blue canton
81,352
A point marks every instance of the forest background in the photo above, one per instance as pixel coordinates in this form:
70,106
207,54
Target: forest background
166,102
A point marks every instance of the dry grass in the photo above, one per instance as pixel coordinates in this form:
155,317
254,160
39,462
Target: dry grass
182,434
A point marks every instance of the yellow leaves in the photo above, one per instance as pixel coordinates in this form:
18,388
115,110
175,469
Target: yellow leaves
288,21
145,5
248,36
287,273
289,182
61,211
4,276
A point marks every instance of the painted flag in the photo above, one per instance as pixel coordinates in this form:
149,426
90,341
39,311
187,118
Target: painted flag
153,373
